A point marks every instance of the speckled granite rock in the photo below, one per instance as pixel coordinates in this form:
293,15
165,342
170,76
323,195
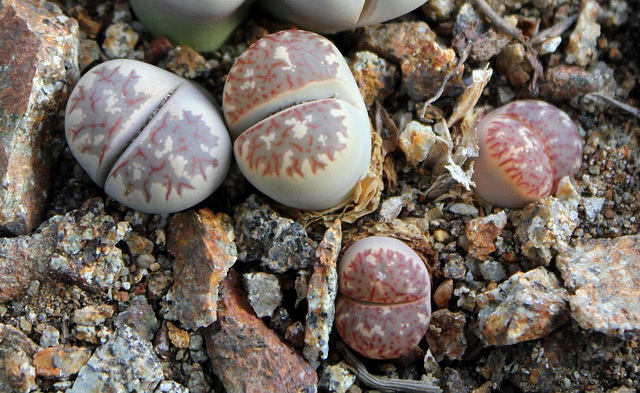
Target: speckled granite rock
604,277
321,295
203,244
263,235
246,355
545,227
125,363
17,372
525,307
79,247
39,62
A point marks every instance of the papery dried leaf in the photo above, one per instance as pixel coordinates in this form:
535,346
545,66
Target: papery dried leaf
470,97
366,194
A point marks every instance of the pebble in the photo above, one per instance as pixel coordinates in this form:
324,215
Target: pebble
88,53
492,271
527,306
140,317
321,295
264,292
86,251
50,337
17,373
446,335
604,276
92,315
38,71
179,338
187,63
544,228
246,354
443,293
119,41
171,387
278,242
563,83
423,61
482,232
419,144
582,47
336,378
375,76
60,362
127,362
512,62
204,250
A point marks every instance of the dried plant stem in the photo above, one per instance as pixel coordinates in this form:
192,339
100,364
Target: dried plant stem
610,101
498,20
384,383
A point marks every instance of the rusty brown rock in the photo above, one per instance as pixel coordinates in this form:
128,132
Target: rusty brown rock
482,233
374,75
246,355
563,83
39,67
604,276
513,63
446,336
525,307
60,361
203,244
395,41
423,74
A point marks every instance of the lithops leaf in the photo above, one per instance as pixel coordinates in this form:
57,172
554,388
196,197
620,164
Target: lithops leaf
153,140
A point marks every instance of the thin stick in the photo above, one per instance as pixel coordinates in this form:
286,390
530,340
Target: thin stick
498,20
384,383
613,102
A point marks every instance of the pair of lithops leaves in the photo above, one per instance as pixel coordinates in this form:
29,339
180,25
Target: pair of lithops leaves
158,144
525,149
206,24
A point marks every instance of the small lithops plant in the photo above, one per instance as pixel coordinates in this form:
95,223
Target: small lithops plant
203,25
525,148
154,141
327,16
383,306
301,129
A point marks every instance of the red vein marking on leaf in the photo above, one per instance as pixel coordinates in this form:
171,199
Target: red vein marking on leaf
75,133
76,99
93,99
182,185
125,85
102,152
159,128
113,127
104,77
197,161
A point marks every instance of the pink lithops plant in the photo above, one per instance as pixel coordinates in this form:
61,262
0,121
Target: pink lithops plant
328,16
383,306
301,129
525,148
154,141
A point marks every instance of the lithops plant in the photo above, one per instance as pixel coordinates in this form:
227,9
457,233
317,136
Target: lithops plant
327,16
383,306
525,148
203,25
301,129
154,141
